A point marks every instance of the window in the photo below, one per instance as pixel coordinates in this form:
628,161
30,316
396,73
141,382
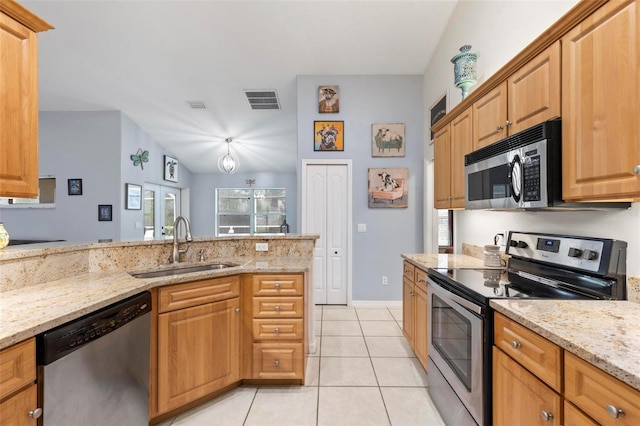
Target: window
445,231
247,211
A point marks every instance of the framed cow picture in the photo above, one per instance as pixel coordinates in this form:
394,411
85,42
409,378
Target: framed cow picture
388,187
387,140
328,135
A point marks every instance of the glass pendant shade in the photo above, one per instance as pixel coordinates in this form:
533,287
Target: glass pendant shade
228,164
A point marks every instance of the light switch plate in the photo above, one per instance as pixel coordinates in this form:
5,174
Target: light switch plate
362,227
262,246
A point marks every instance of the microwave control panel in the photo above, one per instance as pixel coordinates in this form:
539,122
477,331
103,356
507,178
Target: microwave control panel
531,188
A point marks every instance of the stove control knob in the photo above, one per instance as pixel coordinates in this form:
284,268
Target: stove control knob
590,255
514,243
522,244
574,252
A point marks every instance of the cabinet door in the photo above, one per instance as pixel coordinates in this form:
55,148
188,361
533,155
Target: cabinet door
519,398
407,310
15,410
421,327
461,144
442,168
198,352
600,108
534,91
490,117
18,110
17,367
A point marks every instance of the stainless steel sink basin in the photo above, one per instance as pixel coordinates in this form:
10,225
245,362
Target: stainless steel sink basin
184,270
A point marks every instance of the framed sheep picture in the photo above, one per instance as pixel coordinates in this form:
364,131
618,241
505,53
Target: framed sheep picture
388,187
387,140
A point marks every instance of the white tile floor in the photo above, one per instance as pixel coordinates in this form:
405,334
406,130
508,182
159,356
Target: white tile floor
365,374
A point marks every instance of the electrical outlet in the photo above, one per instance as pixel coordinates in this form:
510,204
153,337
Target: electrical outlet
262,246
385,280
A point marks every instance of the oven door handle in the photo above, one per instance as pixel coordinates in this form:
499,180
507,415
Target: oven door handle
437,288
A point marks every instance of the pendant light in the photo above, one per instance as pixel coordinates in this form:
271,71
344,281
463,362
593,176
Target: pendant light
228,164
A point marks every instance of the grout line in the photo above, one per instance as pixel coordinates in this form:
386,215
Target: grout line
246,417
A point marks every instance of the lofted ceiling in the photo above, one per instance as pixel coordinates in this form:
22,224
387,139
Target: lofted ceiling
149,58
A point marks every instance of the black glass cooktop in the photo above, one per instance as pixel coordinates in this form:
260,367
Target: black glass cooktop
484,284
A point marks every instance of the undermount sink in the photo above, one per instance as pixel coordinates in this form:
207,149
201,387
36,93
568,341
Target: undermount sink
184,270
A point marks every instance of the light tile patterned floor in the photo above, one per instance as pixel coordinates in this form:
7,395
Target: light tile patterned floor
364,374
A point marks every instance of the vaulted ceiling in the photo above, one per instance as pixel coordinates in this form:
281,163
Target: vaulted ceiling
149,58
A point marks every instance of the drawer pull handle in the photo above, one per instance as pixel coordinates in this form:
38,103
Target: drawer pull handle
516,345
636,169
277,285
546,416
277,330
35,414
277,308
614,412
276,363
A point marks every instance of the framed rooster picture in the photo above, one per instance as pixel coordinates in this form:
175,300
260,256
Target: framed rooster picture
328,135
388,188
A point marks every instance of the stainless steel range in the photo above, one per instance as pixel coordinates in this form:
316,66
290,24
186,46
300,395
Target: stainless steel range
461,321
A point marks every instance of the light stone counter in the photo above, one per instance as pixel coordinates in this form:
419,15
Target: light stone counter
603,333
426,261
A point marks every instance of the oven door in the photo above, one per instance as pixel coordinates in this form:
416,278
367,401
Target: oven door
455,345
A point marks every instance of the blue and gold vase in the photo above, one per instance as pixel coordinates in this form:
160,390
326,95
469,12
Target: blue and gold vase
464,69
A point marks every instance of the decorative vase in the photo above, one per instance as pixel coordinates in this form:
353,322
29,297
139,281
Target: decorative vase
464,69
4,237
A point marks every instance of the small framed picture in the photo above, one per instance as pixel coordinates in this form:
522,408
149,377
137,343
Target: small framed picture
74,186
170,169
328,135
328,99
439,109
105,212
387,140
133,197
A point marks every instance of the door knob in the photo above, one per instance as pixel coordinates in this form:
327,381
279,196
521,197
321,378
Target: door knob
546,416
237,309
516,345
277,285
636,169
614,412
277,308
276,362
277,330
508,123
35,414
499,128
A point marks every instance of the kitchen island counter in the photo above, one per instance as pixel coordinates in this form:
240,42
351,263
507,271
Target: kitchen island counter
603,333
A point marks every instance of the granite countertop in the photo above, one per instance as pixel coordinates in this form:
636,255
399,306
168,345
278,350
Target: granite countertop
603,333
426,261
27,311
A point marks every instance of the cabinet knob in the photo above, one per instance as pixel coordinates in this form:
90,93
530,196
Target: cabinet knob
614,412
546,416
277,285
276,363
508,123
35,414
636,169
277,330
499,128
237,309
277,308
516,345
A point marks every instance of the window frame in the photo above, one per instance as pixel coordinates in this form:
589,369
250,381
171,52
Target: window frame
252,212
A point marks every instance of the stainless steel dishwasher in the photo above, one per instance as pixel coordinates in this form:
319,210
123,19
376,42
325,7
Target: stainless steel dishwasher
94,371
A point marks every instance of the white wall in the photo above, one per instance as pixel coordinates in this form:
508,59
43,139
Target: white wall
498,31
365,100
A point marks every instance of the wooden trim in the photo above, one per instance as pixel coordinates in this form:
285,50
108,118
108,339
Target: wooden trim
24,16
569,20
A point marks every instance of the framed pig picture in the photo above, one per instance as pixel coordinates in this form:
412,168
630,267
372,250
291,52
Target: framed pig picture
387,140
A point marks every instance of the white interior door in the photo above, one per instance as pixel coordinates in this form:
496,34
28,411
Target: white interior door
161,207
326,211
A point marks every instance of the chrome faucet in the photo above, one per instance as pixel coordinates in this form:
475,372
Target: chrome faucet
188,238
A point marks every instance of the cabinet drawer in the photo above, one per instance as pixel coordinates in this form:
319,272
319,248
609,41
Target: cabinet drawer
420,279
197,293
408,271
17,367
278,329
540,356
574,417
592,390
274,307
278,361
278,285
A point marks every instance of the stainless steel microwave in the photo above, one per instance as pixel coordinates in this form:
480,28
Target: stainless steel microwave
523,171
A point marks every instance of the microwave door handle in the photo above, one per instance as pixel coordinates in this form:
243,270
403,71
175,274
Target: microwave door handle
515,174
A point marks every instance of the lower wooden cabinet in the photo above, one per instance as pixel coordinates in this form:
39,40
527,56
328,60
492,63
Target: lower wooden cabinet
421,326
198,352
18,410
278,360
18,388
414,310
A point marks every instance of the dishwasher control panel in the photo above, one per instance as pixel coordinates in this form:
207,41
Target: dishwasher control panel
60,341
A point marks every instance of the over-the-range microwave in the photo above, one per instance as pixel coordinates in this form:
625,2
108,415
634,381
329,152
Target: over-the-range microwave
523,171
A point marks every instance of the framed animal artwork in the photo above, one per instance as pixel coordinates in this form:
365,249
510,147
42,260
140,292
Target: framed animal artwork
328,135
388,188
328,99
387,140
170,169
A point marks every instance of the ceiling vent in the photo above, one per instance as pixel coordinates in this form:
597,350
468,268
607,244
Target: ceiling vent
196,105
262,99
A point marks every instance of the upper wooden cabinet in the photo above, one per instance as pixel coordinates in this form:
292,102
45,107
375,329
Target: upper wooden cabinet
600,107
450,146
530,96
19,100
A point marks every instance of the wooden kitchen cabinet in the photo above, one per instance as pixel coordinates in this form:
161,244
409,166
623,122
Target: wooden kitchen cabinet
196,336
519,397
18,388
528,97
600,108
451,144
414,310
19,100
